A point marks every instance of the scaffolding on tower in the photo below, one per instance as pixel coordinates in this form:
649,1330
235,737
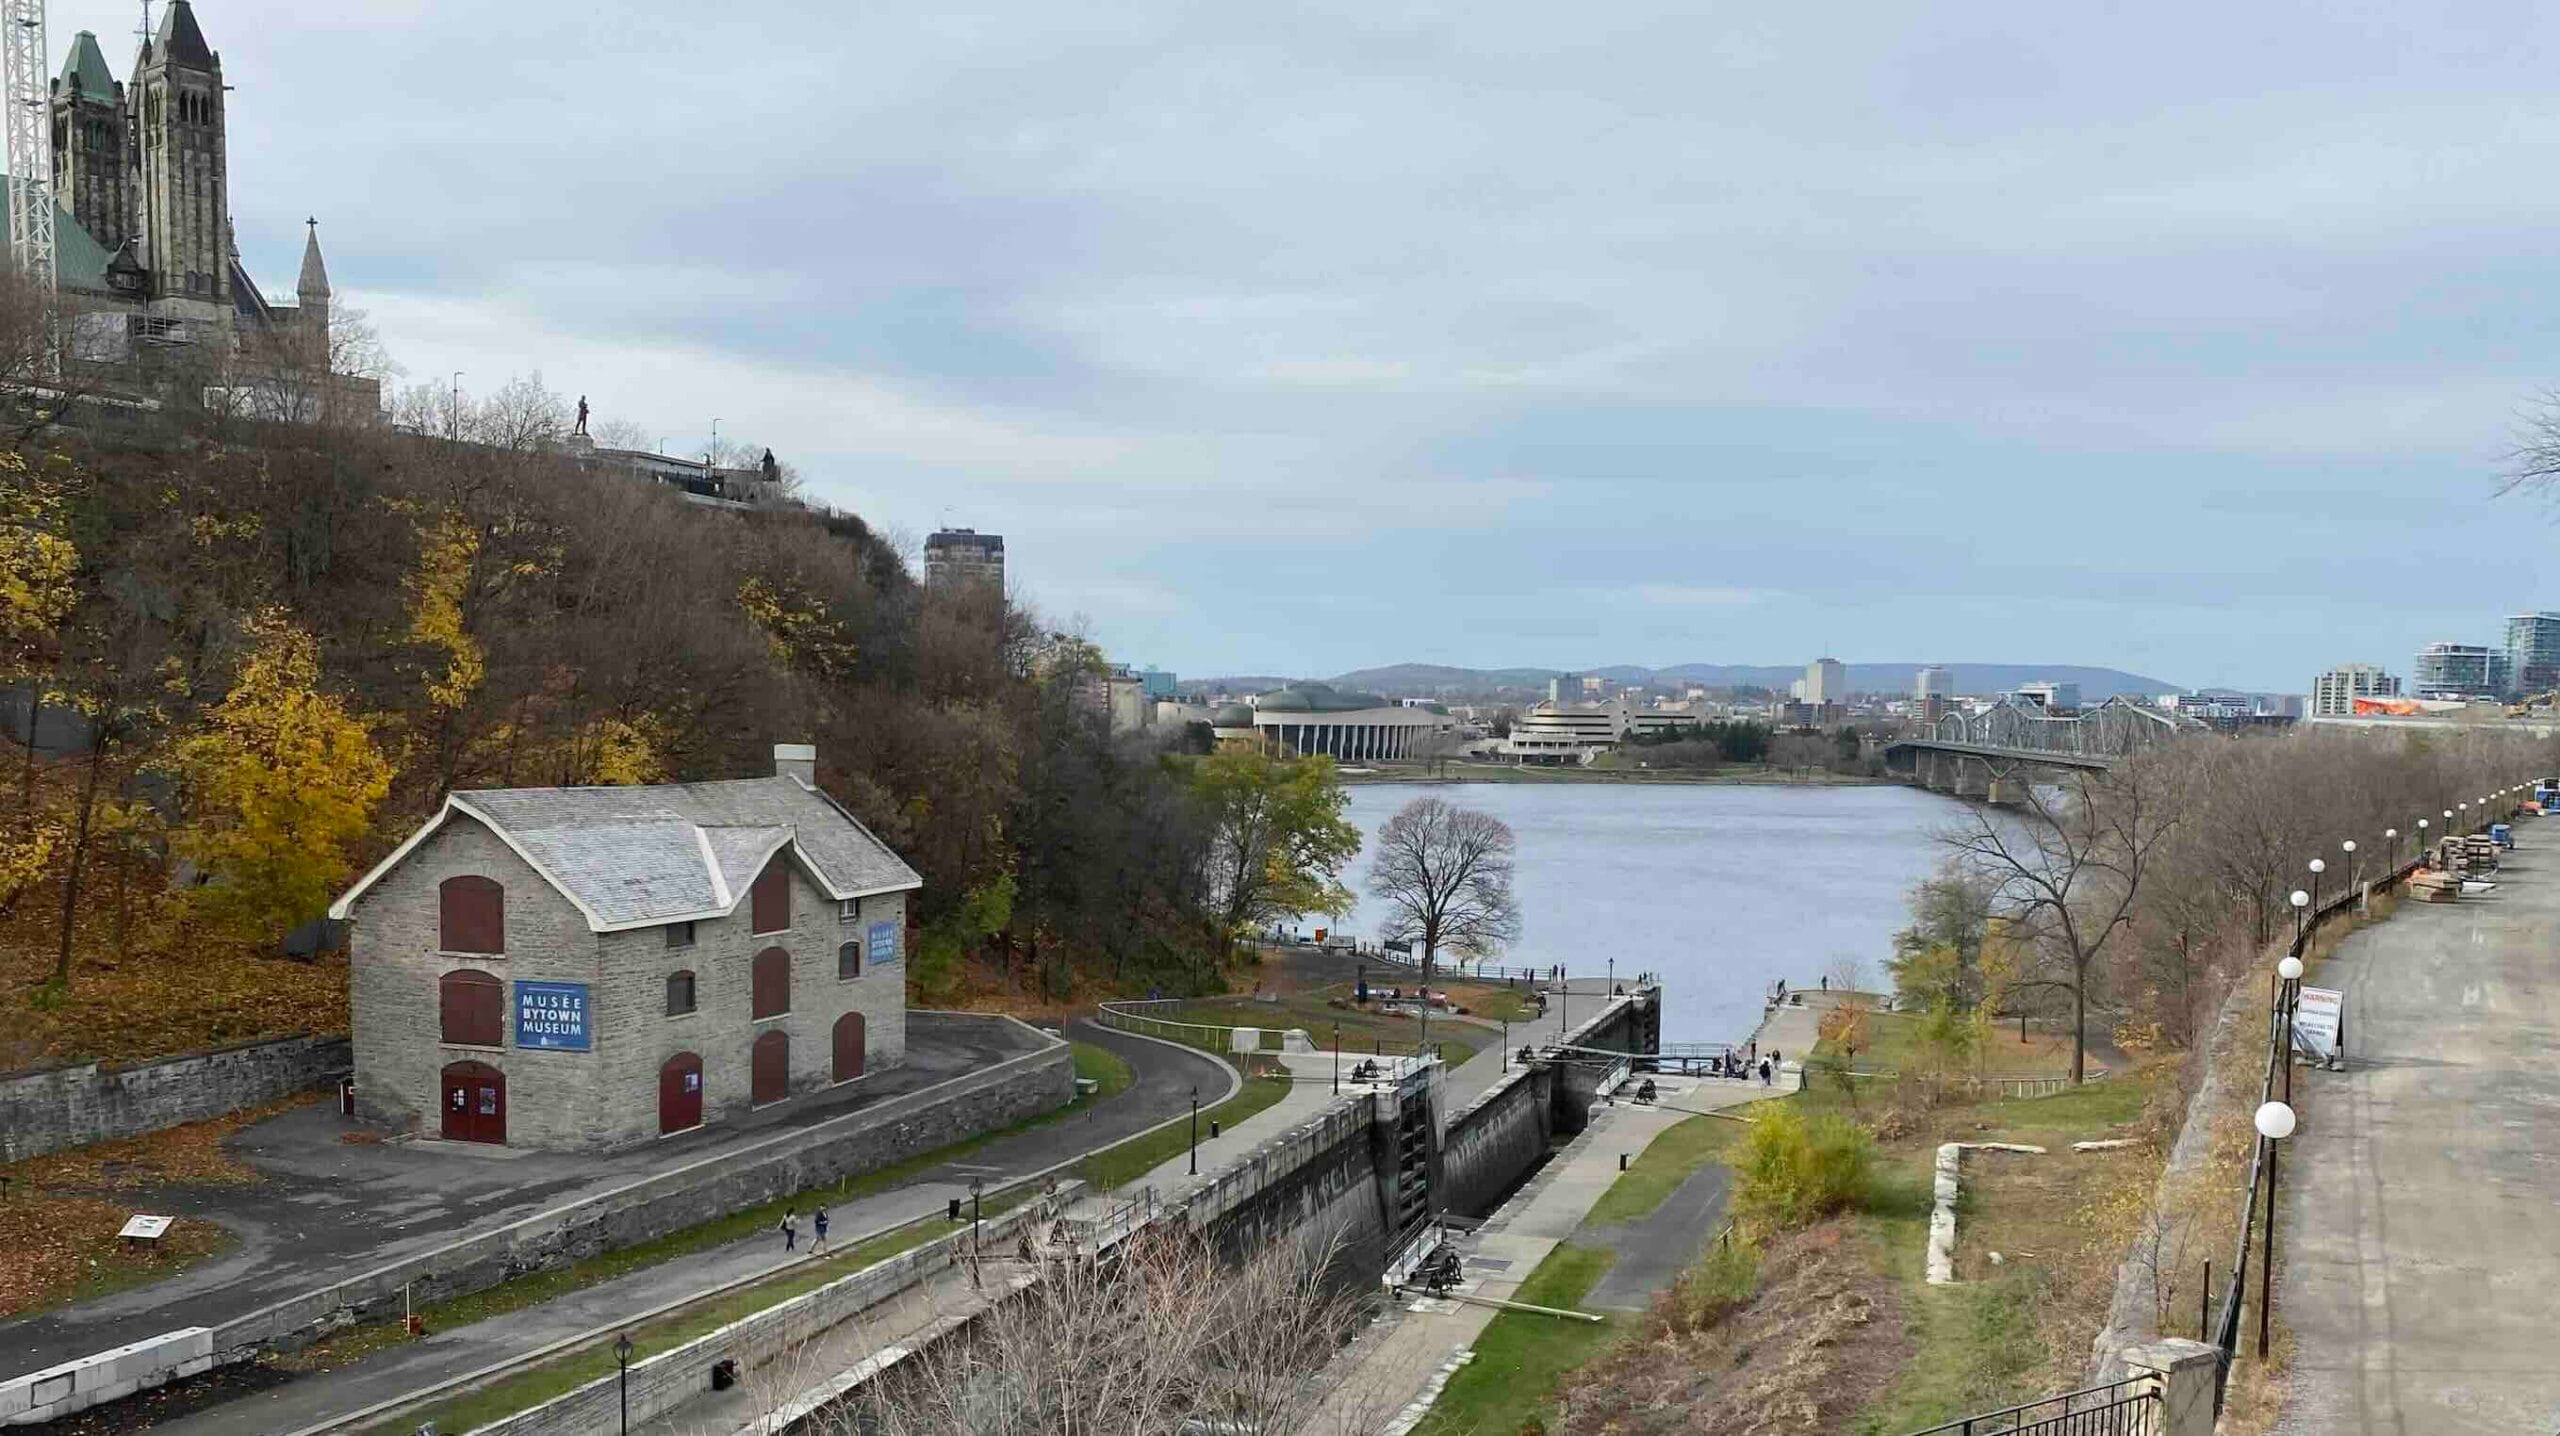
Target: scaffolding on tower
30,139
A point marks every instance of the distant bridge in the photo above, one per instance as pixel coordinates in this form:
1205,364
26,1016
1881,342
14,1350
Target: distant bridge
1979,754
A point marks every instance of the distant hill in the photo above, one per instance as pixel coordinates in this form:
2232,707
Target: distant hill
1434,680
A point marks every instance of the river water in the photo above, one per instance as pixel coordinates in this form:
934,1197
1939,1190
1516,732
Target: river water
1722,889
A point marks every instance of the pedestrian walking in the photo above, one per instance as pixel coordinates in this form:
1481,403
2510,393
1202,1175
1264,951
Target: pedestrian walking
1764,1071
818,1224
790,1229
1826,982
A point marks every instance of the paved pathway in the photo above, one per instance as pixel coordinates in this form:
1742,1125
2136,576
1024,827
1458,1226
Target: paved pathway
2419,1257
1164,1075
1400,1363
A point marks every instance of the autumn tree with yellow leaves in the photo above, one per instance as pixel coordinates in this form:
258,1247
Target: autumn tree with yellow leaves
281,784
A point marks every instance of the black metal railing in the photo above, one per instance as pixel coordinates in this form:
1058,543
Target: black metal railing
2130,1407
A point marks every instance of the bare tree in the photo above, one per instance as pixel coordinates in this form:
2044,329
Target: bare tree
1445,874
2068,871
1163,1339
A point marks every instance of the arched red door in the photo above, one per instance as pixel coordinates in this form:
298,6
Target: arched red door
771,1078
680,1093
848,1046
475,1103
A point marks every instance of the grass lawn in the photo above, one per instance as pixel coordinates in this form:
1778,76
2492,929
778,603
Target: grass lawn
1521,1356
1665,1163
1891,1037
1104,1068
527,1389
1994,1338
1117,1166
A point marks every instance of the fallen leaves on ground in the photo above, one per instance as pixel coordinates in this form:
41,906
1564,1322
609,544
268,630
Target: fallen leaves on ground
1823,1335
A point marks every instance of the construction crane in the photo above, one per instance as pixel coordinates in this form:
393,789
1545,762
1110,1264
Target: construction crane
24,68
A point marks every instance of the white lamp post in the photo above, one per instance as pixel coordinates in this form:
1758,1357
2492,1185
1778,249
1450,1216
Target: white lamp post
2275,1122
2300,900
2349,848
2391,847
2317,868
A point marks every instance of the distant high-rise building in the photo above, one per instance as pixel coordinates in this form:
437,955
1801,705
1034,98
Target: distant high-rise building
1157,682
1565,688
1826,680
2459,670
964,556
2334,693
1933,681
2047,693
2533,653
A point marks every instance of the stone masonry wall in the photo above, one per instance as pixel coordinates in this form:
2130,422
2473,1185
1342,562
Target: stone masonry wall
605,1097
1496,1140
394,964
53,1108
1317,1182
790,1161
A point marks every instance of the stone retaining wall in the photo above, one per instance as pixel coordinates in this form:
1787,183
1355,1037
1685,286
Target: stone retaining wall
790,1161
1496,1140
668,1380
50,1109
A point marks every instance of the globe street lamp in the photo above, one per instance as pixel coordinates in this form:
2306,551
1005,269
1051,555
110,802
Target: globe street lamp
622,1362
2300,900
2274,1122
2317,868
2349,848
2391,847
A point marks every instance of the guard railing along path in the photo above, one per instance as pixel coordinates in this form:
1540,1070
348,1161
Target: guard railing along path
1136,1016
2130,1407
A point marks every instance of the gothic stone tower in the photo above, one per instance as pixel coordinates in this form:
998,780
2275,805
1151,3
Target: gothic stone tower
181,200
89,140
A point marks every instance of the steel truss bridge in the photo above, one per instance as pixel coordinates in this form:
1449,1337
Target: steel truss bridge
1974,754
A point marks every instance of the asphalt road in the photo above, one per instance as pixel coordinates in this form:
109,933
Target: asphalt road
2419,1255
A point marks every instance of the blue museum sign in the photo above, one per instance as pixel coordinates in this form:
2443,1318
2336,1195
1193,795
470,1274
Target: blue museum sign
553,1015
884,942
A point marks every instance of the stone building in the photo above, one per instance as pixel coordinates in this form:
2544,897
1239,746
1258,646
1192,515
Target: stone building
143,242
587,968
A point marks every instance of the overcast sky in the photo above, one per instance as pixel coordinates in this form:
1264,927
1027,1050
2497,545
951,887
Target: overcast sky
2181,338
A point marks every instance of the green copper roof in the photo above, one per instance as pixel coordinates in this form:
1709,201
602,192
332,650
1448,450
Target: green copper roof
85,69
79,261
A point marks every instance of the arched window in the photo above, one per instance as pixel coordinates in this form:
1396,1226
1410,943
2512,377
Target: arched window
471,1008
771,978
769,902
471,915
769,1069
849,1042
848,961
680,1093
679,993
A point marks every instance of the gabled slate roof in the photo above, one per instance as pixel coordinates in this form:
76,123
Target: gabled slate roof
670,852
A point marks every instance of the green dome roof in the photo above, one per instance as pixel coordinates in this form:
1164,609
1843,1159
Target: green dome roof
1231,715
1317,698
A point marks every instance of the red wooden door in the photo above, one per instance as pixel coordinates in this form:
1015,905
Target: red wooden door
772,1068
848,1046
475,1103
680,1093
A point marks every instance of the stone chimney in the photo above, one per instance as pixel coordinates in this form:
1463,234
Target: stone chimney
796,760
